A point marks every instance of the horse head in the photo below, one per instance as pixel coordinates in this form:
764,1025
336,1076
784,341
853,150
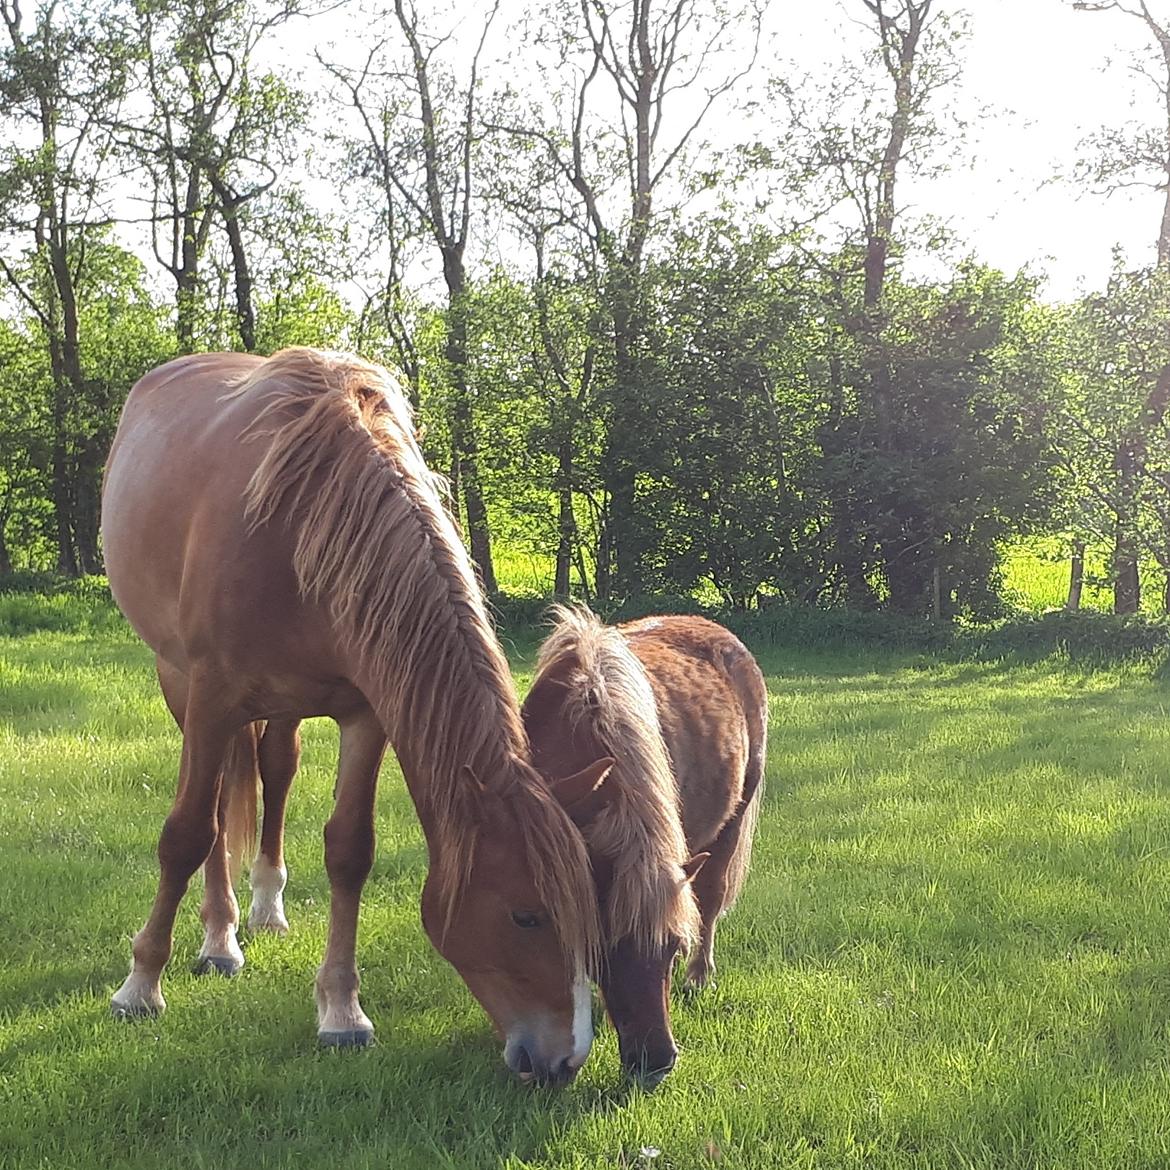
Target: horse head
511,906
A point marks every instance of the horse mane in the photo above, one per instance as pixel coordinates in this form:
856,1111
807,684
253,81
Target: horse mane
639,829
374,543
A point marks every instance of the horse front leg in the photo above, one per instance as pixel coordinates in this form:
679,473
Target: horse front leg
187,839
349,855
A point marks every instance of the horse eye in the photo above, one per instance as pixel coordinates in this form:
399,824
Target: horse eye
525,919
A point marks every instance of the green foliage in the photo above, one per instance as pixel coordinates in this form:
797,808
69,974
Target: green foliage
307,312
724,438
1111,429
705,406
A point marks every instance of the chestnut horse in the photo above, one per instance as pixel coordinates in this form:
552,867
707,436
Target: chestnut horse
681,706
272,533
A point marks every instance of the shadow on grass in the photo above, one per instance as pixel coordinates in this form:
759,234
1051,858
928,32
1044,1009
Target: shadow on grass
235,1068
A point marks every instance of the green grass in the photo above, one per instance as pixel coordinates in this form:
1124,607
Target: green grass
1036,578
952,951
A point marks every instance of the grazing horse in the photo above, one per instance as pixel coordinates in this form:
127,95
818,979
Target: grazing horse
272,533
681,707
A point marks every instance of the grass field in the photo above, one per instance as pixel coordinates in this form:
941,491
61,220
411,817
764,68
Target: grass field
954,949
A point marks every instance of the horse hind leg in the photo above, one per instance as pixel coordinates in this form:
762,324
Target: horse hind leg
219,911
280,753
718,883
188,837
234,843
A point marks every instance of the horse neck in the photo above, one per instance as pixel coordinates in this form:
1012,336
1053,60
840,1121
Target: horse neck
447,706
638,832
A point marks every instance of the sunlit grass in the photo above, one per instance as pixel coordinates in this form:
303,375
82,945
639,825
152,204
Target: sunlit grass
951,951
1036,578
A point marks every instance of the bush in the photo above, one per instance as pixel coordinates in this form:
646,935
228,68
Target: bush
1081,637
32,602
1087,637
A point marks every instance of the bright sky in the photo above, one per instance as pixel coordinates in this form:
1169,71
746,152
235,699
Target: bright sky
1051,75
1044,75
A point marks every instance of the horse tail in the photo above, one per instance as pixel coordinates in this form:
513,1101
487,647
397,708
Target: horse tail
753,692
240,797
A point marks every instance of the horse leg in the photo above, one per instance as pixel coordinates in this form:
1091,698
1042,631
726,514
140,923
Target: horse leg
188,836
349,854
718,883
220,912
280,754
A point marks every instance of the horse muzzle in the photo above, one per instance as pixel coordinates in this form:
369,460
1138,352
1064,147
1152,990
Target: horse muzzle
524,1059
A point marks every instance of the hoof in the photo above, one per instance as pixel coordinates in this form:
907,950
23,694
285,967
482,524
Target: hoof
218,965
351,1038
134,1011
699,976
268,925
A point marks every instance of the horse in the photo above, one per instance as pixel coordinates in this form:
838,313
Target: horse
681,706
272,533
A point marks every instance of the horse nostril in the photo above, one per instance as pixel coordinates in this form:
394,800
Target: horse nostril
650,1069
564,1072
523,1064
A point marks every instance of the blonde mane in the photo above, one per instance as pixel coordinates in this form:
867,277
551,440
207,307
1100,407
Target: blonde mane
374,543
639,828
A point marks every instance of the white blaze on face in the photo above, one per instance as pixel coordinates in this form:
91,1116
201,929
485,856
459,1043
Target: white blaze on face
582,1020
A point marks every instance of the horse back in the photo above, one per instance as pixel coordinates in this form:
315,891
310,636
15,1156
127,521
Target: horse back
183,564
713,710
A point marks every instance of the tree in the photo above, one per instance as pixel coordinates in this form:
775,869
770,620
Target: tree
214,135
1124,156
850,145
424,161
54,74
648,53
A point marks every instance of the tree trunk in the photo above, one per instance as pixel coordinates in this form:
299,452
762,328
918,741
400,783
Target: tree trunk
63,510
245,316
229,206
1127,597
566,522
187,277
1076,580
624,556
603,575
465,449
1126,583
5,552
86,515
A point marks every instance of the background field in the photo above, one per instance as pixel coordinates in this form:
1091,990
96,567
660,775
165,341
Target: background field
952,951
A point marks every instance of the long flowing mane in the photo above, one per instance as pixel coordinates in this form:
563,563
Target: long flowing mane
639,828
374,543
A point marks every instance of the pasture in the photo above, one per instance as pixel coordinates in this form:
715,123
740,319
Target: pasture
953,950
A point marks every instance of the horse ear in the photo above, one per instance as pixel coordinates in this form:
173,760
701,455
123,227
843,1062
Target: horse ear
691,868
471,782
467,774
584,794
